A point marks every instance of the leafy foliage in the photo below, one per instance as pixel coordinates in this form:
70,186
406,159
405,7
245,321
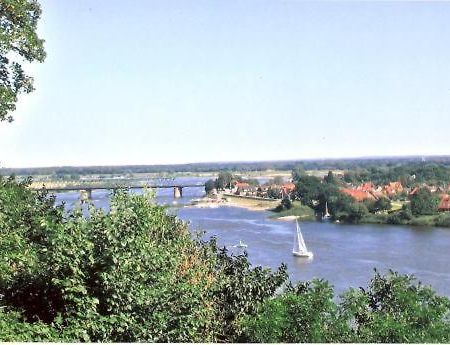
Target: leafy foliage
133,274
224,180
209,186
304,313
241,290
435,170
18,40
382,204
404,216
330,178
443,220
393,310
308,189
424,202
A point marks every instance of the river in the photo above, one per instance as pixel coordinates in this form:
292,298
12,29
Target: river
345,255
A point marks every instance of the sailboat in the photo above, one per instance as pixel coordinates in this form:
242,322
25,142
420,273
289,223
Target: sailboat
326,215
299,245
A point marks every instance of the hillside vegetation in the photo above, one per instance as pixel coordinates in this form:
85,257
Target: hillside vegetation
137,274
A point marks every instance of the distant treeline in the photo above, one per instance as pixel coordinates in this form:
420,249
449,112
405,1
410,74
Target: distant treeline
319,164
409,174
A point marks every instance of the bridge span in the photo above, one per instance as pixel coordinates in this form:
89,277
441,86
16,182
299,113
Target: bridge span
86,191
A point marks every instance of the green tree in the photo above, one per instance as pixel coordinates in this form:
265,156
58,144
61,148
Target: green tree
224,180
356,212
304,313
403,216
297,173
274,192
18,42
382,204
308,189
394,309
241,290
209,186
130,275
133,274
330,178
339,205
326,192
285,204
350,177
424,202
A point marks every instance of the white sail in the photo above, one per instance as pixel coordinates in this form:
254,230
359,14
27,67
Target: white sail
299,244
326,215
296,242
302,242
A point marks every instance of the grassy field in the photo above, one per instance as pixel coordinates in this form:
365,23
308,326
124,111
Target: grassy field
251,203
298,210
396,205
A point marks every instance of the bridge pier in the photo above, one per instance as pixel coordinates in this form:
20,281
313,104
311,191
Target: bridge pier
177,192
85,195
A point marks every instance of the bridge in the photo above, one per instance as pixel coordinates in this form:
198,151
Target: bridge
86,191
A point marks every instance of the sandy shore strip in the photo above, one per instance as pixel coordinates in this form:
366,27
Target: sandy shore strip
253,204
288,218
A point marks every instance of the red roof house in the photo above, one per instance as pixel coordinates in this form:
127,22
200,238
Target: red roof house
444,205
392,188
358,195
287,187
366,187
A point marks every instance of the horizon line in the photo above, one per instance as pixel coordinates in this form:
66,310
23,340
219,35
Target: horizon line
371,157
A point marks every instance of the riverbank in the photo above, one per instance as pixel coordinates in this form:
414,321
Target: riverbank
436,220
305,213
249,203
297,211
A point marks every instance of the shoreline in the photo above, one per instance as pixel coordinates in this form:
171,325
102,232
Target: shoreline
254,204
287,218
249,203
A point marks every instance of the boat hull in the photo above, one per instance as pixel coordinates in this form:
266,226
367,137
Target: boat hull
303,254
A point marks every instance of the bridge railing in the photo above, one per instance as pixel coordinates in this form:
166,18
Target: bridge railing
109,187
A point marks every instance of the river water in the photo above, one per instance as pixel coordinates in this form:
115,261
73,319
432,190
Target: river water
345,255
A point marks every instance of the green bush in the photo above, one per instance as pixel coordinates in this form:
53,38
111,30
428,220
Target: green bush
443,220
424,202
393,309
137,274
423,221
285,204
133,274
304,313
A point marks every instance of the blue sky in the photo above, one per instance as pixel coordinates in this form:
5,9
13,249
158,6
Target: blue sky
149,82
